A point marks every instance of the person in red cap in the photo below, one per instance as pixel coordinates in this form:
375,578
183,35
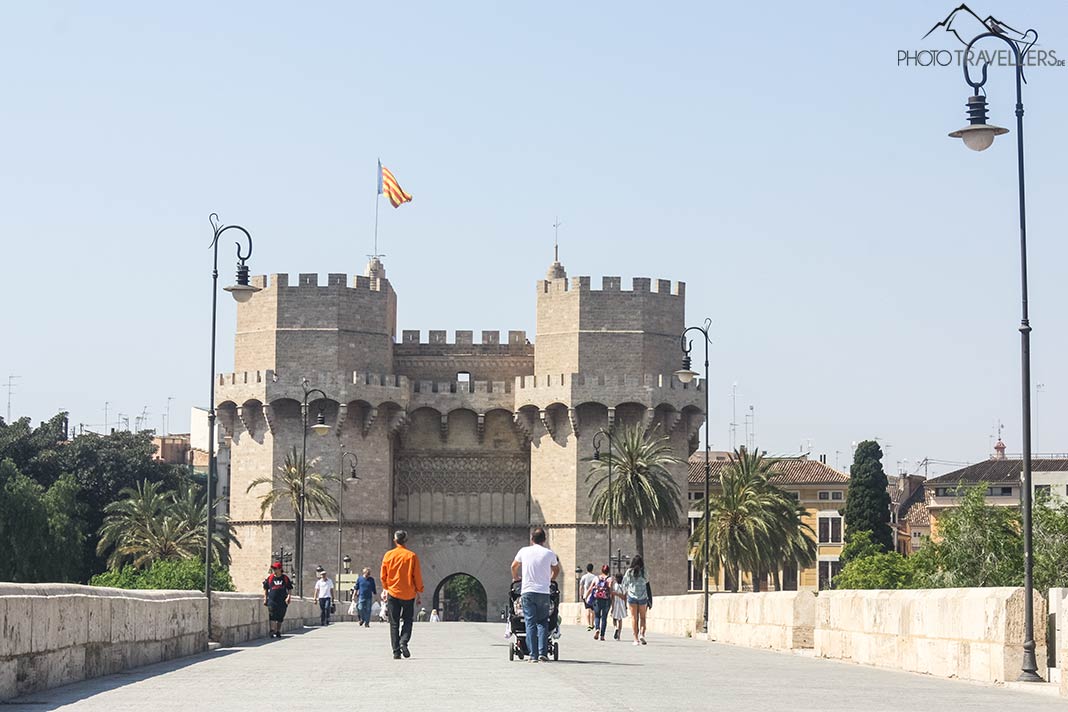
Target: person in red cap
277,589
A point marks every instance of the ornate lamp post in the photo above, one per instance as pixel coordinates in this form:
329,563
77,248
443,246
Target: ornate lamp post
978,135
686,374
607,434
241,292
344,455
320,428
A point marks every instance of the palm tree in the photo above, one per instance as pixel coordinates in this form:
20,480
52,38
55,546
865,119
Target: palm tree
150,524
644,493
754,526
285,487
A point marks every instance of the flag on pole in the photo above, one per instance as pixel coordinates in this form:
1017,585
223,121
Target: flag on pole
389,186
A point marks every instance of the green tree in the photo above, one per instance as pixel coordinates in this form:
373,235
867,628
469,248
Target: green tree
867,506
887,570
39,529
753,525
979,545
150,524
466,598
285,487
170,574
1050,541
644,493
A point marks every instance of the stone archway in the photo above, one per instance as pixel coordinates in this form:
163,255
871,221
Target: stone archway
461,597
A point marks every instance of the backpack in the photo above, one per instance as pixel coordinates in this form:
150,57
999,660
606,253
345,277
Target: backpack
600,589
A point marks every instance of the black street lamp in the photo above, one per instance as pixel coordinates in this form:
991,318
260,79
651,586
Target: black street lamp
607,434
686,374
344,455
320,428
241,292
978,135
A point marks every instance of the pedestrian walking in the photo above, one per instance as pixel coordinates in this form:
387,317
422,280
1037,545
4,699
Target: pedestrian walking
639,596
277,590
324,593
601,596
364,591
402,581
383,610
619,605
536,566
585,587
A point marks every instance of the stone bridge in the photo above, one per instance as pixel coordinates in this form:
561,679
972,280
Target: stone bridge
148,650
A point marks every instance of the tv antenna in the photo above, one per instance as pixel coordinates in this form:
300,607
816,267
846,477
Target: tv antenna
10,386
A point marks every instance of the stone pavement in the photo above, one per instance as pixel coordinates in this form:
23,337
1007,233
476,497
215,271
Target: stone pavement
464,666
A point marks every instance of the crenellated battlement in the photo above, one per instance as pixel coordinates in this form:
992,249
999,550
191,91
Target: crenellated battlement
639,285
413,337
647,380
311,280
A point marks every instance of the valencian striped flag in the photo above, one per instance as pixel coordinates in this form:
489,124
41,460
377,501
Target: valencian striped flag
388,185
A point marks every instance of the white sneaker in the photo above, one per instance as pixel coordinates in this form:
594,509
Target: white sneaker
642,639
636,643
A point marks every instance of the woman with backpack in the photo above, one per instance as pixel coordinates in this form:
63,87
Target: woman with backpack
601,595
639,596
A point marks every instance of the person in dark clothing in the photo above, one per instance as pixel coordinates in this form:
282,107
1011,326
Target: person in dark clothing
277,589
364,592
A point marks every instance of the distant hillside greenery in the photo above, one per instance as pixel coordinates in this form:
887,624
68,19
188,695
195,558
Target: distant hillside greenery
56,495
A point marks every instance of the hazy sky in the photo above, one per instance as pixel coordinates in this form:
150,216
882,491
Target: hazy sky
861,268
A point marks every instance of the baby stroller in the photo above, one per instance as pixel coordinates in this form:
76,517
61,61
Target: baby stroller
518,625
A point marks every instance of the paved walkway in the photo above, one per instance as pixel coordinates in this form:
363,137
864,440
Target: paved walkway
464,666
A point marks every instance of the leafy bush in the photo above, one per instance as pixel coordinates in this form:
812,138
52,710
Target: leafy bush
886,570
179,575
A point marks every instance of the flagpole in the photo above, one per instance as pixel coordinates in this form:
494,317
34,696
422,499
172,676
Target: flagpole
376,223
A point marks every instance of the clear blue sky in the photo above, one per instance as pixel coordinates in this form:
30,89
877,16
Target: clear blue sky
861,268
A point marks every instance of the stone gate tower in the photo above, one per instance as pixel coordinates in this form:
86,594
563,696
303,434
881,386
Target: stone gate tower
463,444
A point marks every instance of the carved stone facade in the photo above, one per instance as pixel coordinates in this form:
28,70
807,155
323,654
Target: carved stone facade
464,444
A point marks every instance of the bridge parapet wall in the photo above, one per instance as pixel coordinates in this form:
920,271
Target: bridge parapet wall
56,634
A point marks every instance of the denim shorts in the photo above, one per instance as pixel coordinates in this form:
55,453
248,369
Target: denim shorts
637,601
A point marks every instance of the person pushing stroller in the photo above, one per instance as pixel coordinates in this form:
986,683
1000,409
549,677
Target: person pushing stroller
536,566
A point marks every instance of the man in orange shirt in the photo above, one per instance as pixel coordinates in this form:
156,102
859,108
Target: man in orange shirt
402,581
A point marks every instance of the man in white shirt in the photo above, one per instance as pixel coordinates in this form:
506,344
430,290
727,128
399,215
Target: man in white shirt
536,566
324,591
585,584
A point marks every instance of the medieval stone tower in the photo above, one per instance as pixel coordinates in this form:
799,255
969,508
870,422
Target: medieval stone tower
464,444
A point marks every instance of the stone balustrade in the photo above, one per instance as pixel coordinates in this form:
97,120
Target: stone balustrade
782,620
966,633
56,634
1058,608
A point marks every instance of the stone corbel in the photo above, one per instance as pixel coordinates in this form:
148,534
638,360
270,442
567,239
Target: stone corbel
342,417
246,419
648,418
444,427
547,422
398,422
268,417
694,424
369,419
481,426
225,422
572,415
672,418
522,426
611,417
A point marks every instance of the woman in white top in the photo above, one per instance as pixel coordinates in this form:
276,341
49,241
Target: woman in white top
434,617
619,605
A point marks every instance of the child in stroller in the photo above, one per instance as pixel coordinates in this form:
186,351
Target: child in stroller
517,625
